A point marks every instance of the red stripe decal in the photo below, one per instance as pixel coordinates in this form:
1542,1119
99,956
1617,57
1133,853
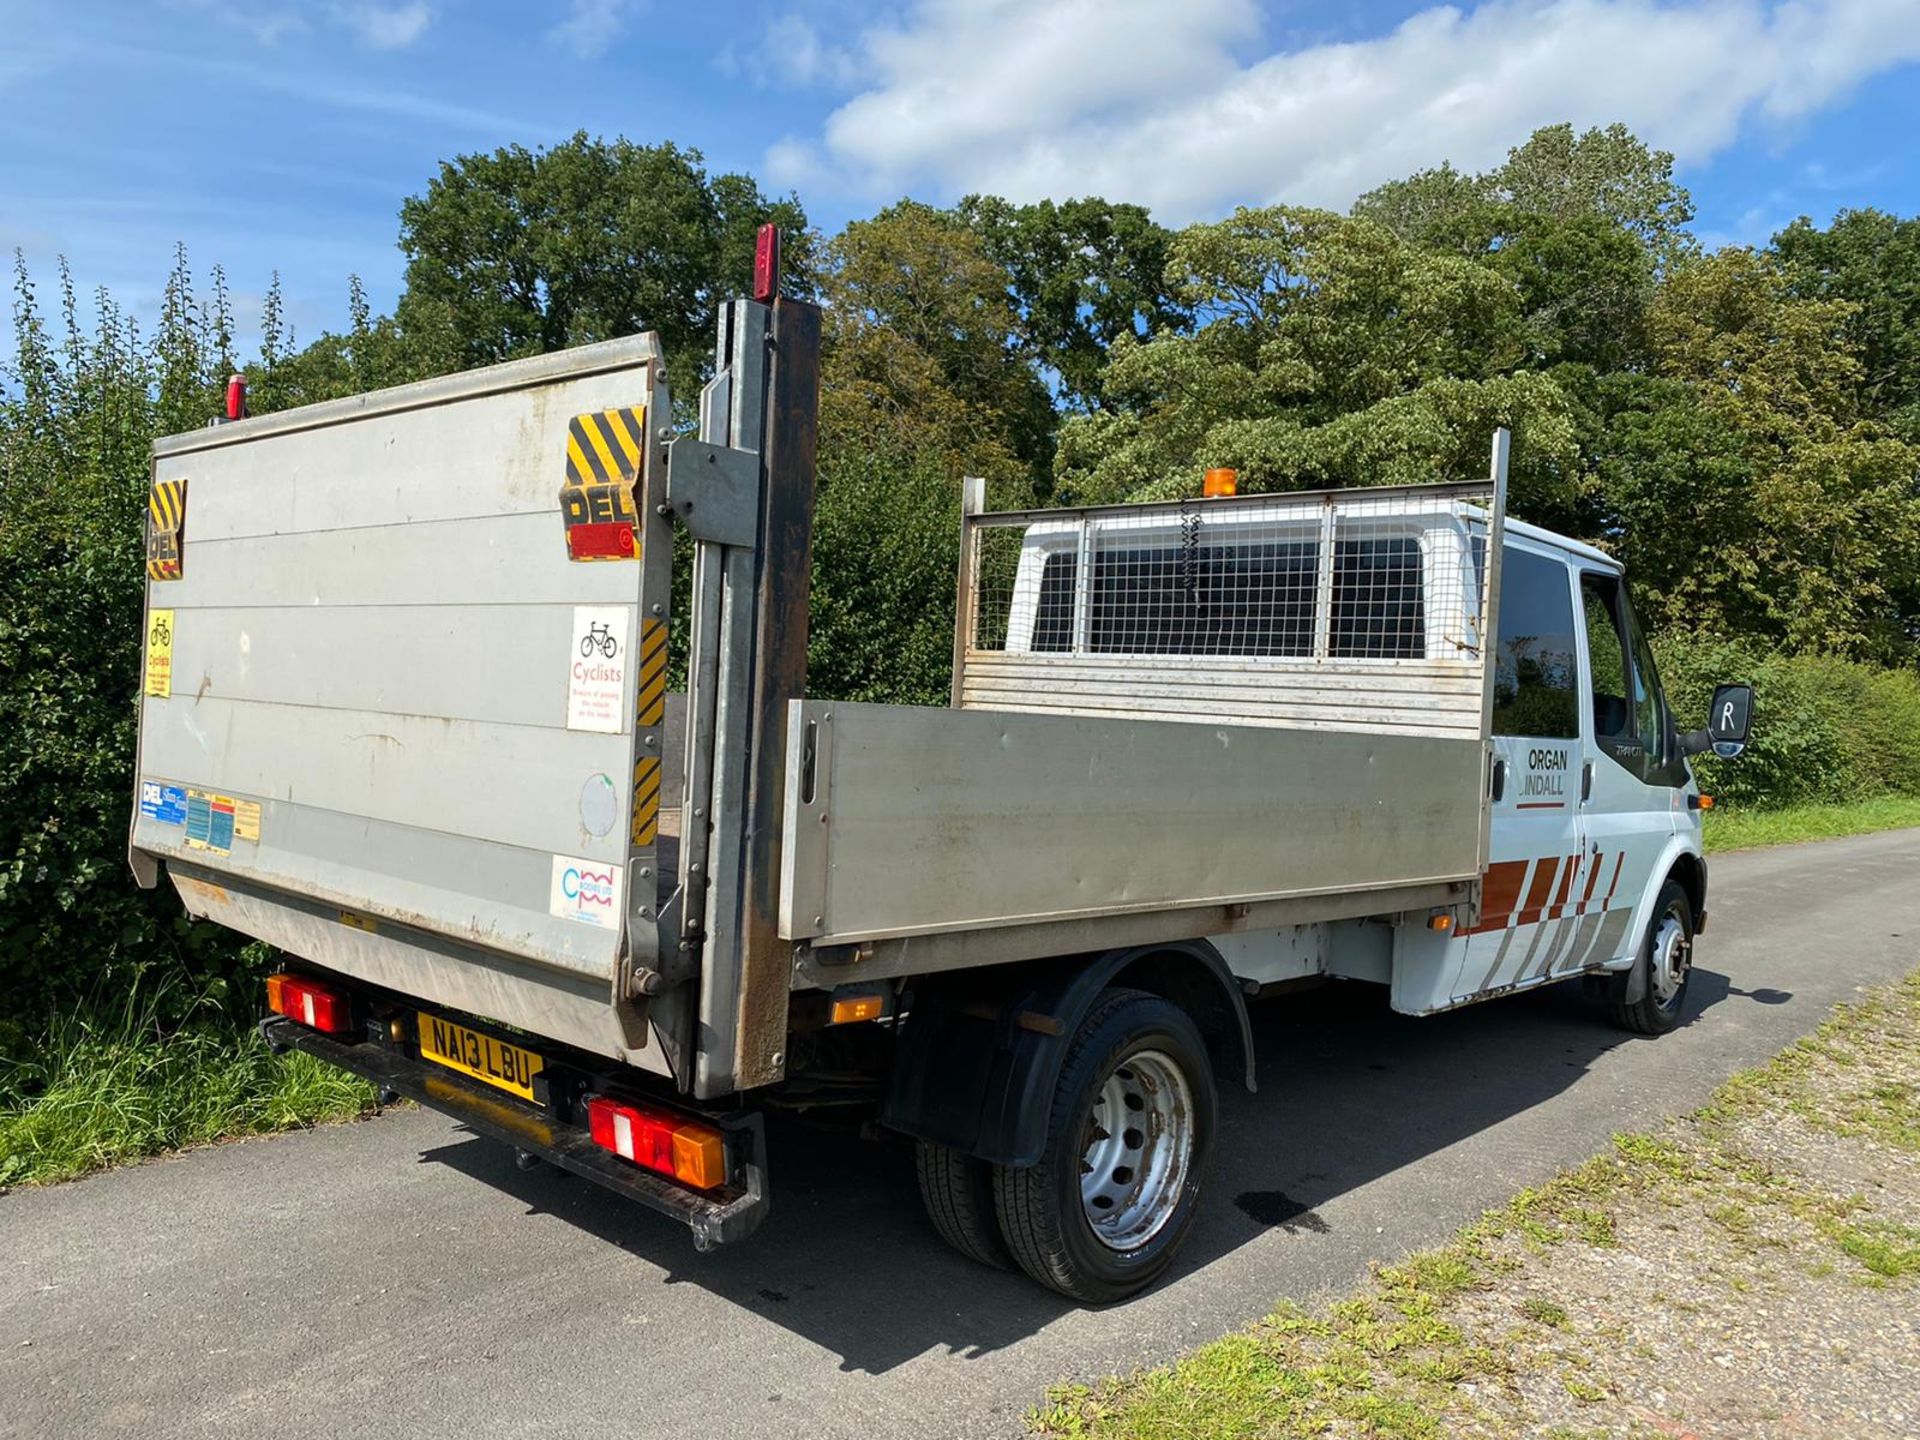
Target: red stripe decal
1544,874
1499,890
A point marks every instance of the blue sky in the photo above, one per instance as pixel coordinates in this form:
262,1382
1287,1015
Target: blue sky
271,135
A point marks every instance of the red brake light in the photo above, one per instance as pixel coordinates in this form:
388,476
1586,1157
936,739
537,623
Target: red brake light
309,1002
766,264
658,1140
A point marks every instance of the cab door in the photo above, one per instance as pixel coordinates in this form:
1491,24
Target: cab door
1635,770
1538,860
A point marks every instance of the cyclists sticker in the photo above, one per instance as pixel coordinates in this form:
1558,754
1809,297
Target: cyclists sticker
597,668
585,890
160,653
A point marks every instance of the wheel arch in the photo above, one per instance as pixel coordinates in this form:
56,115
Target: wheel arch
981,1050
1684,865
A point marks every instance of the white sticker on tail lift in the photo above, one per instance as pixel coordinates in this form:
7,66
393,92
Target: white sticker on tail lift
597,668
585,890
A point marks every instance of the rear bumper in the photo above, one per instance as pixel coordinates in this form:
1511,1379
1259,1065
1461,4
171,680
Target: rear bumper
722,1217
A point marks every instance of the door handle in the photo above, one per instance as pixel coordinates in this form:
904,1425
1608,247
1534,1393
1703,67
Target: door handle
1586,782
1497,787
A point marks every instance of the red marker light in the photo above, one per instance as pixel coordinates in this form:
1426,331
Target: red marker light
309,1002
658,1140
237,397
766,264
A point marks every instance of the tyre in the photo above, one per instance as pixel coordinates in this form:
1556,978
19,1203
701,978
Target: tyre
1668,956
1129,1136
958,1193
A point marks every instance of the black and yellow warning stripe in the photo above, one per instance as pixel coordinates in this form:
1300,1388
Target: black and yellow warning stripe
605,447
652,693
646,799
651,706
166,514
167,504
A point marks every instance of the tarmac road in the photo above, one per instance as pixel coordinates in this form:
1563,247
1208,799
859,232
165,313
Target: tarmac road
401,1277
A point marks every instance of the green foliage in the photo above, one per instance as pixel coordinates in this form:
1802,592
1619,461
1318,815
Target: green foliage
1082,274
525,251
886,548
1872,261
116,1083
922,345
75,426
1825,728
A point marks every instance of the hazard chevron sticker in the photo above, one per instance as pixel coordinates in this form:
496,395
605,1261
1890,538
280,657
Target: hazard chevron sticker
597,501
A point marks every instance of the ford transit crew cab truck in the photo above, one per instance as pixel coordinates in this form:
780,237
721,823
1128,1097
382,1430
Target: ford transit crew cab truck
406,717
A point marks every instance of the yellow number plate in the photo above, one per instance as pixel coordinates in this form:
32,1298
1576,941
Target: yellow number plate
481,1056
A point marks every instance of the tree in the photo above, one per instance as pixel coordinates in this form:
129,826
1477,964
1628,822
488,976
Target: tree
923,350
1872,260
1744,487
78,415
1582,224
520,252
1082,273
1328,351
1607,173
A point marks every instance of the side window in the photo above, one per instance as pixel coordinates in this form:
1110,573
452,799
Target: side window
1255,597
1607,654
1053,618
1379,600
1536,674
1629,715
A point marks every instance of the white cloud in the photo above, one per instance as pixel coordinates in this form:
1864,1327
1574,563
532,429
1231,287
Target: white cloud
791,52
1030,98
386,27
591,26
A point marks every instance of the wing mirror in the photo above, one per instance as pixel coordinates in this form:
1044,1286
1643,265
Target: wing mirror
1727,724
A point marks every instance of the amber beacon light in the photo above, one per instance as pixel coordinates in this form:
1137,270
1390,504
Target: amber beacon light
1220,483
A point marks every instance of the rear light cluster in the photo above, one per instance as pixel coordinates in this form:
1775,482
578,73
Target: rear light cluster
309,1002
658,1140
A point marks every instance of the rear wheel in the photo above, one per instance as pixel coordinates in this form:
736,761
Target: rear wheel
1129,1137
958,1193
1669,962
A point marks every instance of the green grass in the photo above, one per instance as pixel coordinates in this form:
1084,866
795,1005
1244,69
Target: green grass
99,1090
1747,829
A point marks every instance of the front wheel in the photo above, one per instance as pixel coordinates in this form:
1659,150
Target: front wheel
1669,962
1129,1138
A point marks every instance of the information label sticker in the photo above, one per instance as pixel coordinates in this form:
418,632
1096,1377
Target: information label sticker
246,820
597,668
585,890
209,822
165,803
160,653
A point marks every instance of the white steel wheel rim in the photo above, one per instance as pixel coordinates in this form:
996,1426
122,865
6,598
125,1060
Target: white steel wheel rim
1672,955
1138,1150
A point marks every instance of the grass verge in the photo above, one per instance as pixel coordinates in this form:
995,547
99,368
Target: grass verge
102,1090
1747,829
1745,1271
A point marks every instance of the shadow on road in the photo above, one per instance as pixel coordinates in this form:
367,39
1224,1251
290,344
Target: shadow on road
1349,1092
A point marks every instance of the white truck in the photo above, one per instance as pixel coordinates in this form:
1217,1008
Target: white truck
406,718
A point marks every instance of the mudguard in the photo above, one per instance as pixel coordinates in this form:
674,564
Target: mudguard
1631,983
981,1051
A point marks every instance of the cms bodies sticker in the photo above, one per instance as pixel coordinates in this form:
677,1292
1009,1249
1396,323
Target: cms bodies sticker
585,890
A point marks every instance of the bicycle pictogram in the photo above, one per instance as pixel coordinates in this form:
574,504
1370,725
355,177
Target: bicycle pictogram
161,635
600,636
